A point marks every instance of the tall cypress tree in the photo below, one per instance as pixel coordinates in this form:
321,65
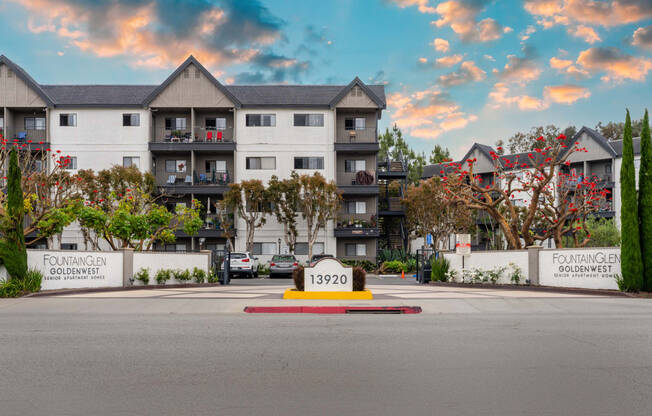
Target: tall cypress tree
12,243
645,202
630,249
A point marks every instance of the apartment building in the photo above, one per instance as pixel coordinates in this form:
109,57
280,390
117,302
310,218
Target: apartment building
602,161
197,135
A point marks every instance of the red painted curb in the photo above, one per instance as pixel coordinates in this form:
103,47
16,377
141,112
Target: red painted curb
334,309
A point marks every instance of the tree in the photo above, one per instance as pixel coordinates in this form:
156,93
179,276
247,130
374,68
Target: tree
120,208
319,202
392,146
529,197
12,242
602,231
285,202
645,202
631,262
429,210
227,222
615,130
526,142
249,200
439,154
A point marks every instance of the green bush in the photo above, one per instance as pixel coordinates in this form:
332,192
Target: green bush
19,287
411,264
440,269
394,266
199,275
393,255
604,233
297,276
163,275
263,270
359,278
181,275
142,275
516,274
367,265
212,276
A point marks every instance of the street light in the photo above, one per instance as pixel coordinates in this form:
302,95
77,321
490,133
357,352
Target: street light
279,246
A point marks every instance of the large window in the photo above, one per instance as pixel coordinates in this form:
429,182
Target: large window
309,163
131,162
265,248
357,249
261,120
309,120
215,166
356,207
355,165
218,123
175,166
355,123
267,163
131,120
178,123
34,123
68,120
301,249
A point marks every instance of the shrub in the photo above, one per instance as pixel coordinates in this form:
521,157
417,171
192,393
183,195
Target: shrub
359,278
19,287
297,276
516,274
393,255
142,275
199,275
263,270
212,276
163,275
394,266
494,274
367,265
181,275
440,269
411,264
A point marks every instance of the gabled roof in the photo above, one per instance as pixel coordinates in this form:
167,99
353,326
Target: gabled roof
27,79
291,95
600,139
358,82
486,150
99,95
192,61
618,146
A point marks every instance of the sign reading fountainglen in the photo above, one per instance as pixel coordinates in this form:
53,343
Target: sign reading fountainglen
328,275
77,269
594,268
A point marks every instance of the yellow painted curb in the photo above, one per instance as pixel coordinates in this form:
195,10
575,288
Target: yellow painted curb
359,295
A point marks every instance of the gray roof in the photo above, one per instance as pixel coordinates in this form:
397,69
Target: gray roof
618,146
27,79
293,95
99,95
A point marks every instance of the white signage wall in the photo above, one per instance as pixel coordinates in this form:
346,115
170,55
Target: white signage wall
77,269
328,275
595,268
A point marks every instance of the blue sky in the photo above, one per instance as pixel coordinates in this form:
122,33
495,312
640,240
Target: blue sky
456,71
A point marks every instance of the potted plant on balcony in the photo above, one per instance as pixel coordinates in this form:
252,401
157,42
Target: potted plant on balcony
350,221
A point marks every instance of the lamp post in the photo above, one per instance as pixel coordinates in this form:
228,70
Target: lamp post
279,246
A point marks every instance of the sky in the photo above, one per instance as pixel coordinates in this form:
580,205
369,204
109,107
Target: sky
455,71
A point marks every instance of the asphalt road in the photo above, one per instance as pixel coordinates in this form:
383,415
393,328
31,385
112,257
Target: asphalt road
531,356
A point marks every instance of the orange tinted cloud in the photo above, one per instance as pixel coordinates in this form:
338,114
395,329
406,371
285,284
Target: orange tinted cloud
467,73
617,65
422,5
441,45
566,94
591,12
642,37
461,16
585,32
448,61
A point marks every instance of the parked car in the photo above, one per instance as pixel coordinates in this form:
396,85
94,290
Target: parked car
243,264
282,265
316,257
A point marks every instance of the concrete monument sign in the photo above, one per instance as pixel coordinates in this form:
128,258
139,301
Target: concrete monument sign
328,275
594,268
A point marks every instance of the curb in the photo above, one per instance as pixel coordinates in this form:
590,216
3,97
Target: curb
334,309
117,289
550,289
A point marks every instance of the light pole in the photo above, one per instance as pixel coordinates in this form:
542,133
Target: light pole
279,246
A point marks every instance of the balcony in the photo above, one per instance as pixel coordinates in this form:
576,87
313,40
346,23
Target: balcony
357,183
212,228
216,182
357,232
360,140
209,140
390,206
392,169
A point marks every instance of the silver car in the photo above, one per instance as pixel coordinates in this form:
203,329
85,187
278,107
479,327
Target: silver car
282,265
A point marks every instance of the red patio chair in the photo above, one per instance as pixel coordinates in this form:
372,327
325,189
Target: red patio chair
219,136
209,136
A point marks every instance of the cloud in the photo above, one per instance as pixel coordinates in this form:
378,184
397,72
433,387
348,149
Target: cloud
461,16
565,66
584,32
566,94
448,61
501,96
643,37
441,45
605,13
617,65
423,5
520,69
467,73
427,114
379,78
162,33
527,33
557,63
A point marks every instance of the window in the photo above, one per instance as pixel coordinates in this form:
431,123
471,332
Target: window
216,165
68,162
34,123
355,165
131,120
356,207
265,248
359,249
68,120
356,91
2,123
309,163
181,166
607,168
131,161
175,247
261,163
186,73
218,123
68,246
170,166
10,73
311,120
178,123
355,123
301,249
197,73
258,120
